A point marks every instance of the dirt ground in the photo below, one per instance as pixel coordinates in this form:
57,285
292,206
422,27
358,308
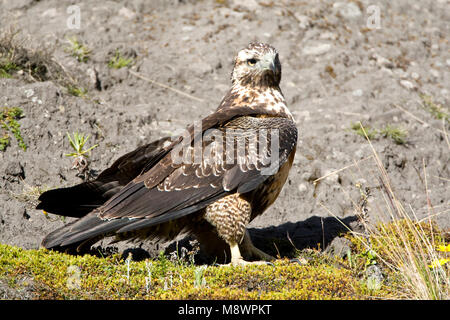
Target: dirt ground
341,64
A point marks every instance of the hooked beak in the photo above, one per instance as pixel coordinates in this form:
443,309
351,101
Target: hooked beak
268,63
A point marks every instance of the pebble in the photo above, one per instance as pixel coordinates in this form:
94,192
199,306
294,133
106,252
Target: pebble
348,11
358,93
303,21
332,178
250,4
302,188
382,61
434,73
52,12
317,49
187,28
29,93
127,13
407,84
374,277
327,36
415,75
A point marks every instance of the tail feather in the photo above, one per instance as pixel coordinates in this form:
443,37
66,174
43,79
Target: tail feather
79,200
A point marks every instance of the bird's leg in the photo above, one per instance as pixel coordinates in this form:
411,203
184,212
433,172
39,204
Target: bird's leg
251,251
236,258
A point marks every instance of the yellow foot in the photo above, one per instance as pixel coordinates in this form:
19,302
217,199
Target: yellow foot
241,262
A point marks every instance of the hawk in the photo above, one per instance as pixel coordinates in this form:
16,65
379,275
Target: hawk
210,182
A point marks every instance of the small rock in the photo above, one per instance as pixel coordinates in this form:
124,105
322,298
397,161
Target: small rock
348,11
332,177
52,12
317,49
29,93
303,21
415,75
374,278
327,36
187,28
249,4
15,169
338,247
93,78
382,61
434,73
407,84
302,188
127,13
447,62
358,93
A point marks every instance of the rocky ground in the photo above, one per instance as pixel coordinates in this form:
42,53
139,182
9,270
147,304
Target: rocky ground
341,64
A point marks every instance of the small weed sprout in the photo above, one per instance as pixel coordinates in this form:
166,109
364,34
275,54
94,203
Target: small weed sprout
80,162
78,50
76,91
199,277
148,279
118,61
6,67
398,135
437,110
395,133
371,133
127,262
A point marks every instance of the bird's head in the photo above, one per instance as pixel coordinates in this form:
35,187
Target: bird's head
257,65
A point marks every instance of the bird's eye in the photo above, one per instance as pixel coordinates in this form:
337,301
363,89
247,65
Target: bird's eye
251,62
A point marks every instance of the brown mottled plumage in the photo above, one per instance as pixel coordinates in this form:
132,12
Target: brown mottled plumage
149,194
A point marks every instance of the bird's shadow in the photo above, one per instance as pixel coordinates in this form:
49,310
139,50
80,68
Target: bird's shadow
285,239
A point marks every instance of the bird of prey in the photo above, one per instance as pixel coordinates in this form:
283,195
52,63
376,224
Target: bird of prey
210,182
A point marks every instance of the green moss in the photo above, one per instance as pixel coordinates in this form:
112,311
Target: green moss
61,276
9,125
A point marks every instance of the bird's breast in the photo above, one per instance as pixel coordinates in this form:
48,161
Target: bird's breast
265,195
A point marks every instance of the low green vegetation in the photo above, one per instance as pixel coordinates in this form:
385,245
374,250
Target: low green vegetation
77,143
60,276
53,275
80,155
78,50
6,67
37,64
76,91
118,61
371,133
437,110
398,135
9,125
